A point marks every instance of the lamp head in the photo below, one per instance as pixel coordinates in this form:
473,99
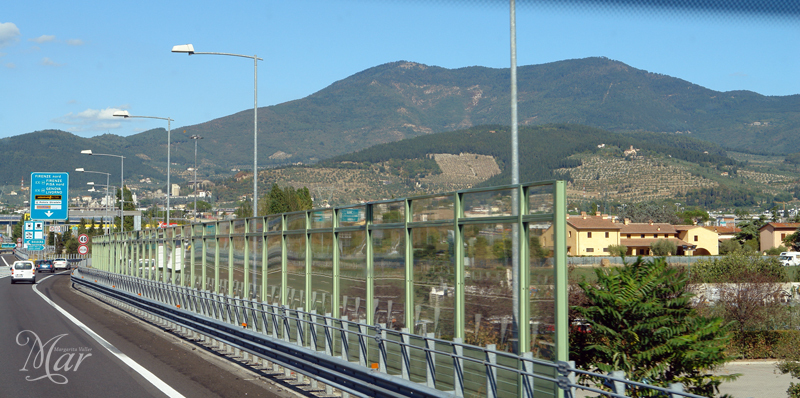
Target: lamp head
90,183
86,152
183,48
122,114
80,169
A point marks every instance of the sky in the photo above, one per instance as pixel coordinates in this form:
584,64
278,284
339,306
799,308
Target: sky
71,65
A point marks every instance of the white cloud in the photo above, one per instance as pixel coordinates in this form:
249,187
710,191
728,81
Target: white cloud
9,34
75,42
43,39
49,62
11,65
91,120
2,55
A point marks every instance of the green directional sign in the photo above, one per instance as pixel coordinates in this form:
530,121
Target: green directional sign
350,215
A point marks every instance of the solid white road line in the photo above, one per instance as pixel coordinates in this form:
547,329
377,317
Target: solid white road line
4,260
153,379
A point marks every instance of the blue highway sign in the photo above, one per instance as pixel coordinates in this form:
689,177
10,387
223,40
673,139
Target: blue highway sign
35,248
49,196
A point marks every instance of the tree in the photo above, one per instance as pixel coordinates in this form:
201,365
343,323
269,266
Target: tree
749,232
642,322
695,215
128,206
663,247
729,246
647,212
243,209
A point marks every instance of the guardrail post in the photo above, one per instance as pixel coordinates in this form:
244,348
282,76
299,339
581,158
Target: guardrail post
380,338
491,371
618,387
677,388
458,367
430,360
301,341
362,344
345,328
405,364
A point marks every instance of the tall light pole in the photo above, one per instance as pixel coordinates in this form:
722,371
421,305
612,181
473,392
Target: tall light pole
108,175
121,184
195,137
189,49
126,115
515,257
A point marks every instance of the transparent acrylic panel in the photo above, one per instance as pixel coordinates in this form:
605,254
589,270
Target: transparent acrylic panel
296,270
432,209
389,277
488,204
256,225
239,227
322,219
541,290
274,270
238,250
434,274
540,199
210,229
353,275
165,261
353,216
197,253
322,273
488,280
224,228
224,264
210,256
256,265
392,212
197,229
296,222
274,223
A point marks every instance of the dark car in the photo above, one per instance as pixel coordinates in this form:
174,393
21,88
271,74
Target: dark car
45,265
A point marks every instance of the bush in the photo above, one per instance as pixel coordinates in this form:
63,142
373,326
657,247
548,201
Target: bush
729,246
663,247
618,250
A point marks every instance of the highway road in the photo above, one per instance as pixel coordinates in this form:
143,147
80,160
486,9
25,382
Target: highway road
90,350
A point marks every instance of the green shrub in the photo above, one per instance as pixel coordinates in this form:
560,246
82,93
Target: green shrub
663,247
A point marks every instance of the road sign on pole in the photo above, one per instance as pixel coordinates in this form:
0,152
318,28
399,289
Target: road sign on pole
83,249
35,248
33,233
83,239
49,196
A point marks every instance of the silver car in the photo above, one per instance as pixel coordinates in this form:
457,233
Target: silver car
23,271
60,263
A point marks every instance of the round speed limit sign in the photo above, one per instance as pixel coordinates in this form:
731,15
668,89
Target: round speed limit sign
83,249
83,239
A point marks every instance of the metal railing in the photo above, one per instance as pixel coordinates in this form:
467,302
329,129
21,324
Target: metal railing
359,359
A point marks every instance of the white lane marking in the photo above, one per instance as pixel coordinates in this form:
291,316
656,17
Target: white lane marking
4,260
153,379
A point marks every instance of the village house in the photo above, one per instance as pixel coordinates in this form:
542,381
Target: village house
772,234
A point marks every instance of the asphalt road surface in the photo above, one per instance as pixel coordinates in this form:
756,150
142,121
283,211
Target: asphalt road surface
43,353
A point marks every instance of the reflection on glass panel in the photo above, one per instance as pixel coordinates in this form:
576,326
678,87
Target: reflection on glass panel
224,228
256,266
210,229
197,229
296,271
488,204
389,278
353,216
434,281
488,280
431,209
274,223
296,222
384,213
224,248
540,199
542,299
239,226
197,252
210,250
256,224
322,219
322,272
237,247
274,270
165,261
353,275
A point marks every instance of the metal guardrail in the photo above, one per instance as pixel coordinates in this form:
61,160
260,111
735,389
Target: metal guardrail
340,352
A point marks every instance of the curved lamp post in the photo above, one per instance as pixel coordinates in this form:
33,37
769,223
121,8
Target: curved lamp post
126,115
121,184
108,175
189,49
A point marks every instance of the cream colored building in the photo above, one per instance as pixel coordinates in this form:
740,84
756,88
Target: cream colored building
771,235
706,241
591,235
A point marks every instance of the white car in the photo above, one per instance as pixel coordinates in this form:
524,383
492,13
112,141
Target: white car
60,263
23,271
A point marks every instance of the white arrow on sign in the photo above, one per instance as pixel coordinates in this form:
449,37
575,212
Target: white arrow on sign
48,213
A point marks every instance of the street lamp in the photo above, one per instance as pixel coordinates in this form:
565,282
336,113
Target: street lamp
121,184
126,115
108,175
195,137
189,49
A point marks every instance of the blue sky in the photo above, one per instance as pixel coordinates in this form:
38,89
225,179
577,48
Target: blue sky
70,65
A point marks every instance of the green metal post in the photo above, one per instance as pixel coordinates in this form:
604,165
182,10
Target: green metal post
560,257
409,264
458,263
370,308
